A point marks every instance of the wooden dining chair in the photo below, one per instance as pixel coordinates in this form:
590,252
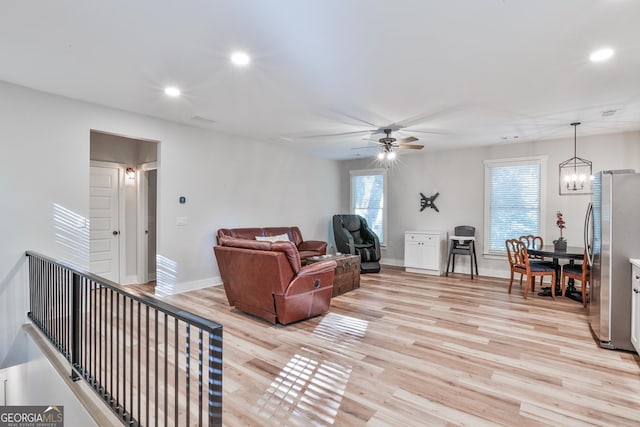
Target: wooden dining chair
532,242
515,264
535,242
577,272
533,269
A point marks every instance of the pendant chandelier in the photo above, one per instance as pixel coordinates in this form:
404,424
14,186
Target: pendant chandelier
575,174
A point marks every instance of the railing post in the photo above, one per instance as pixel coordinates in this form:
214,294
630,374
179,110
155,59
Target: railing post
75,326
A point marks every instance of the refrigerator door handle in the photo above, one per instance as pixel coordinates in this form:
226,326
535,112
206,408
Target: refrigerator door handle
587,228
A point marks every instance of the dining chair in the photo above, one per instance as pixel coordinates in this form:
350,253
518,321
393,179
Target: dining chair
533,269
535,242
515,265
577,272
532,242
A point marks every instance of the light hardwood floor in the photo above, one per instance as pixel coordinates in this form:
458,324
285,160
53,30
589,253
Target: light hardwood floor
413,350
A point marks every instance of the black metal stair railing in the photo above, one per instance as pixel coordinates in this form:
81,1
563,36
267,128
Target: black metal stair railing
152,363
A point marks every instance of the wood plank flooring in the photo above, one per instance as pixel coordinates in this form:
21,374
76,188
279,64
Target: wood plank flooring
412,350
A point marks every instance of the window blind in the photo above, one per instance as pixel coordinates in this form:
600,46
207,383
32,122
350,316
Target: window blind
514,205
367,199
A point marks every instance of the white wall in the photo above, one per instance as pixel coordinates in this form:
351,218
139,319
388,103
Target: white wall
228,182
459,177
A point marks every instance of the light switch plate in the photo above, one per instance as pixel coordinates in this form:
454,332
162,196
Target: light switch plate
181,220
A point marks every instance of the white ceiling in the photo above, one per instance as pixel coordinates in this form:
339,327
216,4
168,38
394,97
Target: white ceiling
472,72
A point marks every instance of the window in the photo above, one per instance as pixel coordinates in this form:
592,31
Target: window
367,198
514,200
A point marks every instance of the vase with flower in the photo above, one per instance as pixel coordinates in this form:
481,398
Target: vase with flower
561,243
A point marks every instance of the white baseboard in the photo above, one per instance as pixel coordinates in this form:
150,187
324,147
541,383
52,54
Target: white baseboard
501,273
130,280
392,261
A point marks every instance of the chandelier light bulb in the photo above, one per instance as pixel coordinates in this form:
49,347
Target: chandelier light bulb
391,155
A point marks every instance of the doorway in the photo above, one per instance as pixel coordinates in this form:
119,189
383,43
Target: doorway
122,209
147,233
104,219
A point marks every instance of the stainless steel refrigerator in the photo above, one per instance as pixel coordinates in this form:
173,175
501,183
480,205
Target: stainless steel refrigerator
612,234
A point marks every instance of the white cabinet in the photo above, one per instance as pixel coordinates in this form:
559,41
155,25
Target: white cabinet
635,304
424,251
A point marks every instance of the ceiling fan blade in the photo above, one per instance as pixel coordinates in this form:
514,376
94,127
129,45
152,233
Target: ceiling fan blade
368,147
425,117
326,135
411,147
408,140
432,132
380,131
358,119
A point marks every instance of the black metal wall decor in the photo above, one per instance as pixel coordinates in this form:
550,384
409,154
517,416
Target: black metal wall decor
427,202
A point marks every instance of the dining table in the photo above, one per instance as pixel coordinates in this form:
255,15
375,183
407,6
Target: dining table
570,253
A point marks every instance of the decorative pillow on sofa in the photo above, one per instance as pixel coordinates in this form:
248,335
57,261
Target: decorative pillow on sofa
277,238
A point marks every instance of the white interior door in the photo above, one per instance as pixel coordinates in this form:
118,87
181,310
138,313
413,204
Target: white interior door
104,237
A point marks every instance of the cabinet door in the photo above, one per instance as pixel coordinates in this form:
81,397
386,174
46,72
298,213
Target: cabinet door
412,247
635,308
430,253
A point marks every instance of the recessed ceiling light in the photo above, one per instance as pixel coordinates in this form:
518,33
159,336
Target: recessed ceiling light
172,91
601,55
240,58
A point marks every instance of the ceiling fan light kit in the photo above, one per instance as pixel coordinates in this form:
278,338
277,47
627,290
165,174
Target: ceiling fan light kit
389,143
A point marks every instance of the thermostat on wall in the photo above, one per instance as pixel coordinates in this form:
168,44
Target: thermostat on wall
182,200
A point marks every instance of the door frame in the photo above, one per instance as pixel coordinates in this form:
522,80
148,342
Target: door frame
142,241
122,250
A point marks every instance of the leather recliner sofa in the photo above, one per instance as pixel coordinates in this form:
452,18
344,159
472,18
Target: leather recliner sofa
306,248
267,280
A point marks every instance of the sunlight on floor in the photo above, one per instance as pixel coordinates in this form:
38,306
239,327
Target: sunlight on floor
167,273
310,389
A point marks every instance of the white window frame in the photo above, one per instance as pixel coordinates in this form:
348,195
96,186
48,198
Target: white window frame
518,161
367,172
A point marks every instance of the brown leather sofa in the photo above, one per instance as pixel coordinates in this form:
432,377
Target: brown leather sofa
266,279
306,249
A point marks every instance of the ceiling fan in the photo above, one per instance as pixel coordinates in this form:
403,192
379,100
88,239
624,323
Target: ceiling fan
388,142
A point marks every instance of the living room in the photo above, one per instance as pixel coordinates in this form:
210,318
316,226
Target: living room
242,181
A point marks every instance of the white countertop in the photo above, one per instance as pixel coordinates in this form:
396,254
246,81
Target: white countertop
635,262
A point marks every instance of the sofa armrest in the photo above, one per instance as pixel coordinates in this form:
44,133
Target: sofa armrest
317,267
313,245
312,277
